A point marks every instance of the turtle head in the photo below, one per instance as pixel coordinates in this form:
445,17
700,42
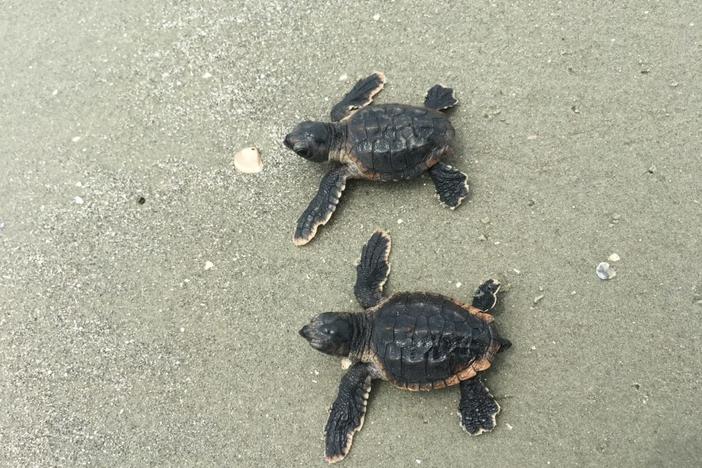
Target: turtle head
311,140
330,333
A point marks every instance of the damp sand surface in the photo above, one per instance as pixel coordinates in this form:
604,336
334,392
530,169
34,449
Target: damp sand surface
150,294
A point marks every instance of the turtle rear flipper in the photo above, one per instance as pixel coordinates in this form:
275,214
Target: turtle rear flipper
373,269
477,408
320,209
485,297
347,412
451,184
440,98
360,96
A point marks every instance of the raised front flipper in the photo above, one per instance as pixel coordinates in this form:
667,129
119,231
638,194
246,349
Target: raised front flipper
477,408
451,185
485,297
373,269
360,96
440,98
347,412
322,206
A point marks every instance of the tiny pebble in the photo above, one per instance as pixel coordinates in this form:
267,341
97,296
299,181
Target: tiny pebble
614,258
54,92
538,298
533,348
208,265
248,160
343,77
75,139
400,221
376,17
459,284
605,271
573,293
482,237
206,75
652,169
616,216
345,363
532,137
509,426
182,330
517,271
77,200
418,461
497,242
485,220
674,84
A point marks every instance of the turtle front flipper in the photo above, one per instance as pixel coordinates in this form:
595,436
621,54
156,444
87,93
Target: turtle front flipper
360,96
323,204
485,297
373,269
347,412
440,98
451,184
477,408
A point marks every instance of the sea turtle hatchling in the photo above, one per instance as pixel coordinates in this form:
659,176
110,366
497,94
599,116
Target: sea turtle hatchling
386,142
416,341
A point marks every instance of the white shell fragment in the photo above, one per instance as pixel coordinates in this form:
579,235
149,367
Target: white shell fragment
614,258
248,160
605,271
209,265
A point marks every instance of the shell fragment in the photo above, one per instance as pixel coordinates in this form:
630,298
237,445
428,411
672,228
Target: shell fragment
605,271
248,160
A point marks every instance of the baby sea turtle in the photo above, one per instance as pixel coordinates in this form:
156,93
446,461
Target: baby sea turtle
416,341
384,142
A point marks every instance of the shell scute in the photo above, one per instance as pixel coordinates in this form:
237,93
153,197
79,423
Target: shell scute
429,341
395,141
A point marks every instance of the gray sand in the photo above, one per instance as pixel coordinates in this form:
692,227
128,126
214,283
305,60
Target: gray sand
118,347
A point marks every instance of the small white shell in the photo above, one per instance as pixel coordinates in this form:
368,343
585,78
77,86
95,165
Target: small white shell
614,258
605,271
248,160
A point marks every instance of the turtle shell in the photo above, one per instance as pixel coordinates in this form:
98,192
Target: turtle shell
424,341
395,141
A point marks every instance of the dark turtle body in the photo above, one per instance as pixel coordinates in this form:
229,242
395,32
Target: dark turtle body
395,141
416,341
388,142
426,341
